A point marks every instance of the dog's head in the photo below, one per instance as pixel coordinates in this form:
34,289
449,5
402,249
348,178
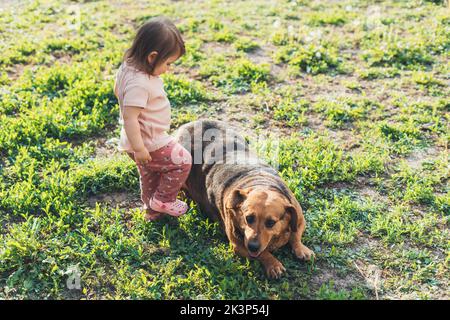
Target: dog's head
261,214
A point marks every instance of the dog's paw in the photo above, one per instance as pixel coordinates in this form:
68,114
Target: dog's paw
275,269
303,252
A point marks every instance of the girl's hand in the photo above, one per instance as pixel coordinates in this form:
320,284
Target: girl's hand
142,157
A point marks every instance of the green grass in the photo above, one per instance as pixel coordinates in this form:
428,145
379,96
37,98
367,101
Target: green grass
343,111
238,79
355,102
309,58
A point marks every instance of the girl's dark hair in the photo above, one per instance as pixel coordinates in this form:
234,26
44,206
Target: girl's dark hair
158,34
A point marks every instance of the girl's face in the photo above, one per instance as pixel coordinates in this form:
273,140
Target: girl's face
164,66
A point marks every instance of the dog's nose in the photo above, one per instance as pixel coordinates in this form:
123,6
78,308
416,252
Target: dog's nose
253,245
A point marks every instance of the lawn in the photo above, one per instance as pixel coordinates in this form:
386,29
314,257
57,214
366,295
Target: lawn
354,93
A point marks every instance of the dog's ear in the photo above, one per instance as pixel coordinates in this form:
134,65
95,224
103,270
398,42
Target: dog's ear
236,198
294,217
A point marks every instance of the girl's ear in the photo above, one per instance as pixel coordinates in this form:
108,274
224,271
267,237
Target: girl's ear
152,56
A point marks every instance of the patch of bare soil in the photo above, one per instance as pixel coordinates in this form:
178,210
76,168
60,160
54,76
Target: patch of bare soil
347,282
370,271
121,200
6,4
238,116
60,57
15,71
106,147
217,48
263,55
420,156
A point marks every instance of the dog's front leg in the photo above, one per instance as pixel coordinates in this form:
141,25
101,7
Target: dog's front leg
301,251
272,267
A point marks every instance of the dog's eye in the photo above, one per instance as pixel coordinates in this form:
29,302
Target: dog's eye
270,223
250,219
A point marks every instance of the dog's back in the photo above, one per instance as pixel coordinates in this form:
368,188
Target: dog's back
220,157
190,136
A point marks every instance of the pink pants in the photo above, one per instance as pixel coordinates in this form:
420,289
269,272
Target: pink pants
165,174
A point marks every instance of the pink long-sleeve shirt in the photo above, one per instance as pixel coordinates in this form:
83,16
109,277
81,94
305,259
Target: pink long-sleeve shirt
138,89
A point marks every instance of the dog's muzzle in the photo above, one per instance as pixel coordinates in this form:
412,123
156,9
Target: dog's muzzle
253,247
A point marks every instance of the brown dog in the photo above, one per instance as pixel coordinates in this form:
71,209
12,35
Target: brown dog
252,203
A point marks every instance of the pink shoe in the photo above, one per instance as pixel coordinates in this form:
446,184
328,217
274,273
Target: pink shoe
175,208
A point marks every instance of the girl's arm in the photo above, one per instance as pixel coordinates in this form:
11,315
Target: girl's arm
132,128
135,100
115,89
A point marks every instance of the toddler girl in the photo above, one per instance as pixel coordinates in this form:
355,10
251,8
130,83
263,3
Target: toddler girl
163,164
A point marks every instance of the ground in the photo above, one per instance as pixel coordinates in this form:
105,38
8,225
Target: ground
352,94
